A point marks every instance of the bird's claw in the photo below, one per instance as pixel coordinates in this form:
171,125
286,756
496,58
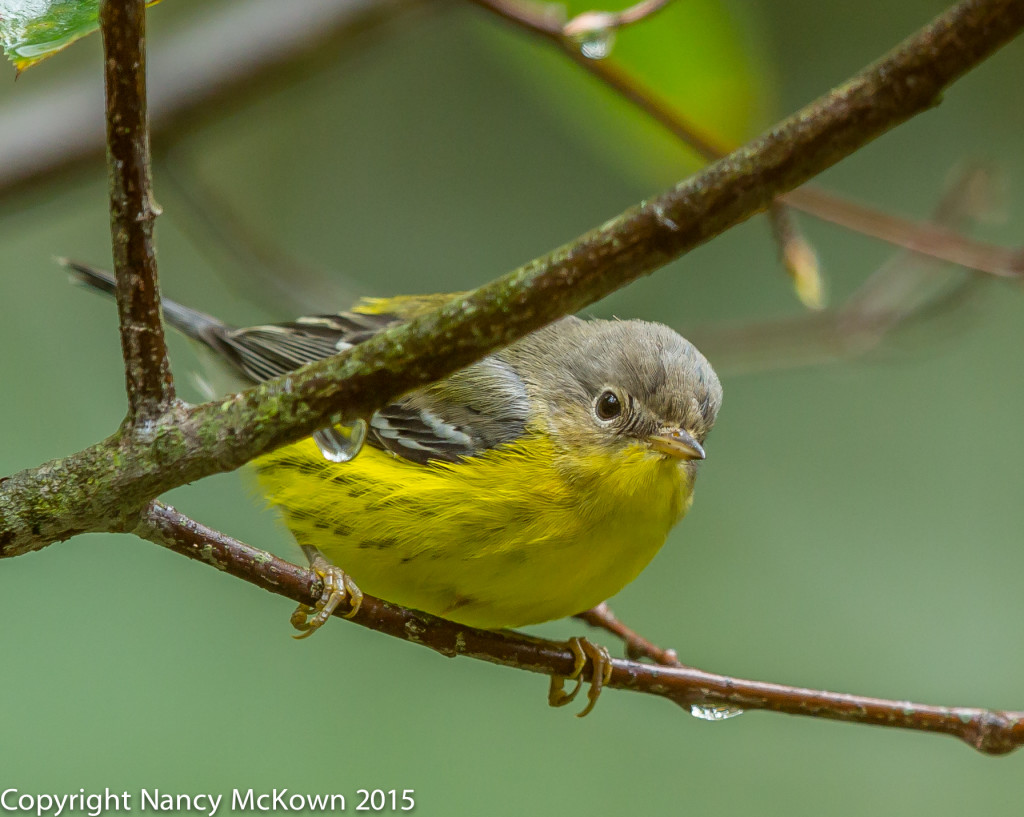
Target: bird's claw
338,587
582,650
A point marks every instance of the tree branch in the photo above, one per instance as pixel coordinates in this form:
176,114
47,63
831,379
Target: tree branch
96,488
133,211
988,731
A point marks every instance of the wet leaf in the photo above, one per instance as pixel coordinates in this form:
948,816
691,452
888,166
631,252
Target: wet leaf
32,30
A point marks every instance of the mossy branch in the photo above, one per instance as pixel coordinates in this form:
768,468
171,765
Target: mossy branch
98,488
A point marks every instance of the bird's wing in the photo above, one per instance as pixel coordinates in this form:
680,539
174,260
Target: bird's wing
263,352
476,409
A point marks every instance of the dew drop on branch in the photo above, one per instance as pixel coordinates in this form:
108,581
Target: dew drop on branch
341,441
714,712
593,33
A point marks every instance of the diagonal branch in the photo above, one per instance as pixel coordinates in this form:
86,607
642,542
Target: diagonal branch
96,490
988,731
133,211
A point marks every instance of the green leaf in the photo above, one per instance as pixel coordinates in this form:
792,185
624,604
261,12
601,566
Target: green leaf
32,30
696,55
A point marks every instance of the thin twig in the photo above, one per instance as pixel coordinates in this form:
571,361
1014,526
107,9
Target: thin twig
549,18
637,646
537,21
910,234
63,497
988,731
639,11
602,24
133,211
907,233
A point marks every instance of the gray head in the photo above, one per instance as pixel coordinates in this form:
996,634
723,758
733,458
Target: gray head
621,382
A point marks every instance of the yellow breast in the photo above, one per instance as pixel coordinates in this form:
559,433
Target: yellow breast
517,535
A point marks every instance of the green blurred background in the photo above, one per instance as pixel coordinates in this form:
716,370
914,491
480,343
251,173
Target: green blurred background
857,526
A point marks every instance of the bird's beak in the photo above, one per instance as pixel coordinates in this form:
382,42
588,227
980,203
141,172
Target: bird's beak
677,443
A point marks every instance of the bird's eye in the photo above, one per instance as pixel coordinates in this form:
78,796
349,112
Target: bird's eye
608,406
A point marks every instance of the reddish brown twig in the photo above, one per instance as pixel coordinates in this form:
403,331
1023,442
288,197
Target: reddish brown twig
133,211
988,731
549,18
921,237
639,11
637,646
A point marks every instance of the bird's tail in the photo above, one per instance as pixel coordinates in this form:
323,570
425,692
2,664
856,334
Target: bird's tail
190,322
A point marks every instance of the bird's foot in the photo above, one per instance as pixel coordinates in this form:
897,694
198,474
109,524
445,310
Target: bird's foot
582,650
338,587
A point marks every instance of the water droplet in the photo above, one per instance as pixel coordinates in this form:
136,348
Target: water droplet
342,441
714,712
593,33
597,45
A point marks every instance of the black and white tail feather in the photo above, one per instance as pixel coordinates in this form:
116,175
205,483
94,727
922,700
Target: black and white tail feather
440,423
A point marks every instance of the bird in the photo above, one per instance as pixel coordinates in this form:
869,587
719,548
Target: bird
530,486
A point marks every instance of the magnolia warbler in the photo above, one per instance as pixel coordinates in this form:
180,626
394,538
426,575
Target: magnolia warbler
527,487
